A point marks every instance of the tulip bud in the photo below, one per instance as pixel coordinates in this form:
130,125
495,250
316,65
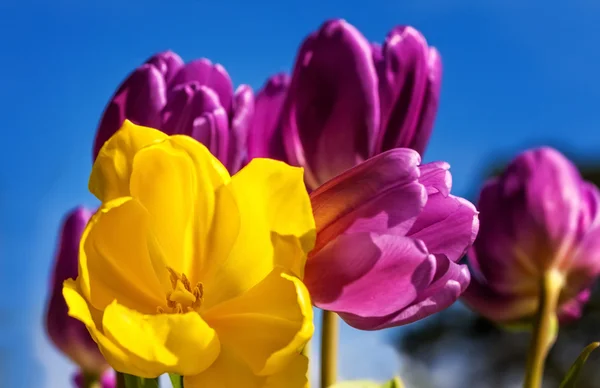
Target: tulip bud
194,99
349,100
389,236
538,217
68,334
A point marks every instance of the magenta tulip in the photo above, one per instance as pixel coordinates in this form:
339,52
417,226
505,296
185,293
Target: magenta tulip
538,217
389,235
195,99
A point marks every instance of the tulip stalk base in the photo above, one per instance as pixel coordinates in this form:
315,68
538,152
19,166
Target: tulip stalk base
545,329
329,345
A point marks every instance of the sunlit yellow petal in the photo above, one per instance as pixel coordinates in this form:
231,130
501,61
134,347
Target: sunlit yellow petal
116,260
293,376
180,343
271,199
230,371
175,180
267,325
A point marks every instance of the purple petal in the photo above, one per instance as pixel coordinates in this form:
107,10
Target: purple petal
402,86
67,333
205,73
380,195
140,99
590,209
369,275
430,102
265,138
449,282
583,267
332,103
167,63
243,112
195,110
447,225
436,177
572,310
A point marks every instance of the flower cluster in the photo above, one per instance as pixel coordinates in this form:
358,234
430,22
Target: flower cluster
225,217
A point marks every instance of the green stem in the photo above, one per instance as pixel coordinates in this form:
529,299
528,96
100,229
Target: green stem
120,380
545,329
329,344
90,380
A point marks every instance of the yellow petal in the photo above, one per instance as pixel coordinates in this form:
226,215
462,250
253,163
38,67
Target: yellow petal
117,357
175,180
112,168
293,376
267,325
231,372
178,343
117,259
271,200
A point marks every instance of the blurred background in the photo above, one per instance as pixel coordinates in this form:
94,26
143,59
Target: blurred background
517,73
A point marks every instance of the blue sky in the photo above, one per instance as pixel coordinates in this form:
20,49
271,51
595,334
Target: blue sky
517,73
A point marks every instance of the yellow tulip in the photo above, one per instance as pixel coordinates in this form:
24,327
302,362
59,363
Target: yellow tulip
184,269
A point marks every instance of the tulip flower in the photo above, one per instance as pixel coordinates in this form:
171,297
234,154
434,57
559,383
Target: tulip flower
349,100
187,270
107,380
194,99
68,334
389,237
538,217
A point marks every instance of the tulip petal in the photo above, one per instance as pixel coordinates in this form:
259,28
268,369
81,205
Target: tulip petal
267,325
124,266
449,282
243,112
271,198
380,195
430,102
265,138
140,99
181,343
167,63
369,276
67,333
205,73
447,225
112,169
402,86
572,310
332,103
436,177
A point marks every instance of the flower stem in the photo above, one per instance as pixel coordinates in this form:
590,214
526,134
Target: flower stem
120,380
329,343
545,329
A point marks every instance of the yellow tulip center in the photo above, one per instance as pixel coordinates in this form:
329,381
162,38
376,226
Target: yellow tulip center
183,298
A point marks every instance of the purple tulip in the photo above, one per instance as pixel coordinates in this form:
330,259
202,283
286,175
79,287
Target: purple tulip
538,216
349,100
195,99
68,334
389,235
107,380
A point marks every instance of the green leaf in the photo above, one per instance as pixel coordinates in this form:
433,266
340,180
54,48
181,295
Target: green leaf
176,380
395,383
570,379
140,382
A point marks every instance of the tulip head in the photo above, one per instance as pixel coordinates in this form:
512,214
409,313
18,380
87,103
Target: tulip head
106,380
68,334
195,99
539,216
389,235
349,100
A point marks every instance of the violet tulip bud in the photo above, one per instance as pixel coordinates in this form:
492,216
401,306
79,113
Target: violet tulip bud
107,380
538,218
389,237
195,99
69,335
349,100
